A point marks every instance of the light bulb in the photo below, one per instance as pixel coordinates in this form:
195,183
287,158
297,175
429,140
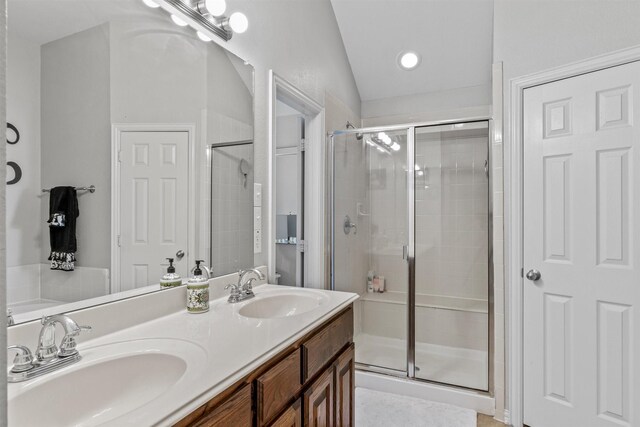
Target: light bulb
202,36
238,22
178,21
409,60
151,3
215,7
395,146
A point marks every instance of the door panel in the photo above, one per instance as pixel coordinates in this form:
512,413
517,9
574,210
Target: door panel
581,203
154,188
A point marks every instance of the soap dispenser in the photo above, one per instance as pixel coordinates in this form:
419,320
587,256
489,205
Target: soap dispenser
198,289
171,279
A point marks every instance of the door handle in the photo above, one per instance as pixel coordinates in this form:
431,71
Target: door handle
180,254
533,275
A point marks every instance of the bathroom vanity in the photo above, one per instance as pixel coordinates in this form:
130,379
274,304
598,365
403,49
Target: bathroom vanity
282,358
309,383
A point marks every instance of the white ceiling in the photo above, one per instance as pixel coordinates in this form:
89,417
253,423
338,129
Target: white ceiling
453,37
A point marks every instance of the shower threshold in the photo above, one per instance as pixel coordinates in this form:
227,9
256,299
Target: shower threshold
448,365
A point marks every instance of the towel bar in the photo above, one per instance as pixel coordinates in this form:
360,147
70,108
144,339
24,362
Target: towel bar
90,189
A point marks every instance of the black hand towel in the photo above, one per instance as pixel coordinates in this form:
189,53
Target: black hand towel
63,211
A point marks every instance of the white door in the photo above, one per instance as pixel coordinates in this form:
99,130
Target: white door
154,188
582,233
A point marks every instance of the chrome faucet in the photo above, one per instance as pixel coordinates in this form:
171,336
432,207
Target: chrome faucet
48,357
244,290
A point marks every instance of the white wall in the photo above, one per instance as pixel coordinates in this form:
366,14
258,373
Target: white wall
532,36
3,227
76,135
446,104
300,41
24,198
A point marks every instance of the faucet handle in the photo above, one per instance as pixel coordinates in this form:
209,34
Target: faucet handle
68,344
23,360
234,296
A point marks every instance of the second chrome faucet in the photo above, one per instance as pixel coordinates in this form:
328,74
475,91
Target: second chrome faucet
243,290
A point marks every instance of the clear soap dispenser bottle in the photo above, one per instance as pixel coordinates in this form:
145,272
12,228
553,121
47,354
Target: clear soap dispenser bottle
171,279
198,289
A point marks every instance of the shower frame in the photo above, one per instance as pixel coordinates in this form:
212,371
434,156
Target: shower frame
410,259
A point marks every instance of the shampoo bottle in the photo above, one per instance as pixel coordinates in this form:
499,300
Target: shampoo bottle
198,290
171,279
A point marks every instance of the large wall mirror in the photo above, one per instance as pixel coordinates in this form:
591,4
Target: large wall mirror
112,94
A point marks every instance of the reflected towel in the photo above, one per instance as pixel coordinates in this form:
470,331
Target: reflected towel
63,211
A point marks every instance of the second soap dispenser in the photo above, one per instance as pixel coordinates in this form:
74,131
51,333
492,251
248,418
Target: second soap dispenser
198,289
171,279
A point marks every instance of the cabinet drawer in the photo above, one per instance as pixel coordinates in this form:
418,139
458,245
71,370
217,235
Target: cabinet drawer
278,386
233,412
318,350
292,417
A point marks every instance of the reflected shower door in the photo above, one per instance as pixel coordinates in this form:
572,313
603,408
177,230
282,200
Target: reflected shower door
451,254
370,241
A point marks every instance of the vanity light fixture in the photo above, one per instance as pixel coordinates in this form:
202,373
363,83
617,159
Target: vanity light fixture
151,3
178,21
208,14
408,60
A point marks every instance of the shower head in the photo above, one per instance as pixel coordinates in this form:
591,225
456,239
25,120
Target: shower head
351,126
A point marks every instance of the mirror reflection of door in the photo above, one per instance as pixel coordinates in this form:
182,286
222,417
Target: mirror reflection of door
289,170
153,214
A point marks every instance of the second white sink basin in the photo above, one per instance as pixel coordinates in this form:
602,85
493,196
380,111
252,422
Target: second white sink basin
110,382
282,305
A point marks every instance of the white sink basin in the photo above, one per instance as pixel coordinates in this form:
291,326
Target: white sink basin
110,382
282,305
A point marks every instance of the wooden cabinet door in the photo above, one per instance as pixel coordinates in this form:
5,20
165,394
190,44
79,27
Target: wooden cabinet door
318,401
345,387
292,417
234,412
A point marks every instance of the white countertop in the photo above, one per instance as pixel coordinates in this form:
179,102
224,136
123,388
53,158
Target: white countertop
232,347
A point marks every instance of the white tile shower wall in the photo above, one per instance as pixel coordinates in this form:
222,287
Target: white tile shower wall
23,283
388,215
451,328
452,215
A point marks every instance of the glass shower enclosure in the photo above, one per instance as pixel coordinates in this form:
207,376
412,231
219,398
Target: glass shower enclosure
410,233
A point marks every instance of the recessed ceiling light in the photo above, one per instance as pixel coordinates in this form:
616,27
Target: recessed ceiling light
409,60
151,3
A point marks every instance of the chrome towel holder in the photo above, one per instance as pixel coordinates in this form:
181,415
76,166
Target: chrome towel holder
90,189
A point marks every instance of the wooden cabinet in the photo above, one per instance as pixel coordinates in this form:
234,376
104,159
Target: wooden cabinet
311,383
345,387
319,401
291,417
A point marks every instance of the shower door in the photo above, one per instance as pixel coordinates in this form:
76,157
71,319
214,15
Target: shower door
451,254
370,241
410,208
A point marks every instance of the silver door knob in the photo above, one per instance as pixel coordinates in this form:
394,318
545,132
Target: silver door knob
180,254
533,275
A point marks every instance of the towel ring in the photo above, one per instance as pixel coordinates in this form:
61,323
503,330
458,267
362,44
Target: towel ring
17,171
15,130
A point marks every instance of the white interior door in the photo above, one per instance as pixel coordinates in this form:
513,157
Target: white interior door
581,207
154,188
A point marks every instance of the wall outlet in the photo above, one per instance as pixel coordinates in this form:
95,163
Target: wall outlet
257,194
257,229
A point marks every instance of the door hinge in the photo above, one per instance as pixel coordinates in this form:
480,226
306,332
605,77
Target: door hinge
301,245
522,272
302,147
120,156
119,245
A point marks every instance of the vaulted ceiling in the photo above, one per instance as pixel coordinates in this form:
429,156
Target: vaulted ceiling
453,38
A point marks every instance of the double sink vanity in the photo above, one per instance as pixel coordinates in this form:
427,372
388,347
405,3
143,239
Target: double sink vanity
283,358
